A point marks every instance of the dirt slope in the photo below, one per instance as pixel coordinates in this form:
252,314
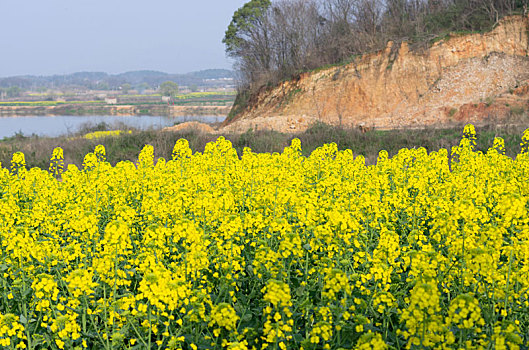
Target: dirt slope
461,78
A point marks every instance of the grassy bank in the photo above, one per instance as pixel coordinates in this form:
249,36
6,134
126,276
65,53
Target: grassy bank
127,146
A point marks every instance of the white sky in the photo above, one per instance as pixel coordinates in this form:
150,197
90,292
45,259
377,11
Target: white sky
45,37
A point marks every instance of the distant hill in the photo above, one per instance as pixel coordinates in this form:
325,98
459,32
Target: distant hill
137,79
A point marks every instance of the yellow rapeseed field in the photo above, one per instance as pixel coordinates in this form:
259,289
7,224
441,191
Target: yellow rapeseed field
267,251
102,134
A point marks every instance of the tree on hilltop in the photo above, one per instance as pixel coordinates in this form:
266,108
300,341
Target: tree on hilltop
243,25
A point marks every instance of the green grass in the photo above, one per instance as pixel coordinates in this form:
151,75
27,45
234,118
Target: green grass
205,94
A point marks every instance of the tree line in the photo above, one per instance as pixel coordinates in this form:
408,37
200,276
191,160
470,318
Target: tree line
139,80
275,40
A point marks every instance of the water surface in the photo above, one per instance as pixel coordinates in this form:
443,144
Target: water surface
64,125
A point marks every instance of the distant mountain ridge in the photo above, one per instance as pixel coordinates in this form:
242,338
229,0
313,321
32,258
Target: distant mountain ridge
137,79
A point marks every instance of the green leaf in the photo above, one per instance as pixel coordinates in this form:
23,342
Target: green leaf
247,317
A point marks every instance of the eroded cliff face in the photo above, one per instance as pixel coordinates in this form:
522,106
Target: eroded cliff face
462,78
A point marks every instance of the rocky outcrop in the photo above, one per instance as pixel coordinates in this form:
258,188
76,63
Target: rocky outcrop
457,79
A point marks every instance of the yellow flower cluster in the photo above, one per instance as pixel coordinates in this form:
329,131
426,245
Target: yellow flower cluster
11,332
336,282
18,163
224,316
277,293
465,313
101,134
46,291
278,324
525,142
217,250
57,162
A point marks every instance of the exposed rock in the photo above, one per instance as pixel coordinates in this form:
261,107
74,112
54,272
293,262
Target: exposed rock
462,78
287,124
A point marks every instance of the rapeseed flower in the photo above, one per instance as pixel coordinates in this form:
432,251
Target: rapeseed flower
279,251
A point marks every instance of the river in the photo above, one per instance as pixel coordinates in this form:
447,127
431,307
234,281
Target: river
52,126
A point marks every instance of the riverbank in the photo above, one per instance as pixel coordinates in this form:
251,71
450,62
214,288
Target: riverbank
118,110
126,146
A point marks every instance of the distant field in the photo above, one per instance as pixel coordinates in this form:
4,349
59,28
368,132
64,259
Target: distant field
46,103
193,99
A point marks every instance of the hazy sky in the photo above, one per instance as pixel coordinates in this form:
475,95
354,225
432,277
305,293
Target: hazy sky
44,37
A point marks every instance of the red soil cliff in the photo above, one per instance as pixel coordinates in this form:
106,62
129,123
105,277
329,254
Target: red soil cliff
464,78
